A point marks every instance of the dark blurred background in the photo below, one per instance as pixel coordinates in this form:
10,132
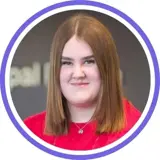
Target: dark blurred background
29,70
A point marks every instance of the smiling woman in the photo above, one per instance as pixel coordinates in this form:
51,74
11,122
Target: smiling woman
85,104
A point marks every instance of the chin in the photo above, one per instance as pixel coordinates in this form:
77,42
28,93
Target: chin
81,101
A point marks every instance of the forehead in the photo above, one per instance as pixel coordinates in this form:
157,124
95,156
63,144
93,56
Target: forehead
75,48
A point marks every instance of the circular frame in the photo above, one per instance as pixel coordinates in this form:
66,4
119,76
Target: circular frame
87,3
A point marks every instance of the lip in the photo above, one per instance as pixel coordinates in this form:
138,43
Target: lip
80,84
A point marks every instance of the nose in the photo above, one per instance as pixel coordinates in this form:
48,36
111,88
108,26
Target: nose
78,72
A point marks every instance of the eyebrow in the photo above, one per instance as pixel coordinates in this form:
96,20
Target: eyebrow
84,58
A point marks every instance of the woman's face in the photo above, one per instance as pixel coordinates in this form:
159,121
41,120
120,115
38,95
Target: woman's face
79,75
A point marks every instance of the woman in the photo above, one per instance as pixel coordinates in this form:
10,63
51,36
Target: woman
85,105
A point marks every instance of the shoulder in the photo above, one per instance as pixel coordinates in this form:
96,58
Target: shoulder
35,118
36,122
132,114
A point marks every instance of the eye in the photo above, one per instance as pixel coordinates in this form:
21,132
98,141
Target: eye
89,61
66,63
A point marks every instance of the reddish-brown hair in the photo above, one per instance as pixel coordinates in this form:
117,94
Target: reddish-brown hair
109,113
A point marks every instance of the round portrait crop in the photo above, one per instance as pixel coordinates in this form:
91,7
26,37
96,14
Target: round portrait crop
84,76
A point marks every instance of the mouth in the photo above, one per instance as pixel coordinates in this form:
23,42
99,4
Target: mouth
79,84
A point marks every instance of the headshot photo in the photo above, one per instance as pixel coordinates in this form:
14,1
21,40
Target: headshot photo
79,80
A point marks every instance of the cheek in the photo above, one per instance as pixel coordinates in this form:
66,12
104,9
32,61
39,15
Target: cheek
64,74
94,74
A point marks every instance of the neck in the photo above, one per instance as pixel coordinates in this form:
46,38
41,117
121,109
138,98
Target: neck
81,113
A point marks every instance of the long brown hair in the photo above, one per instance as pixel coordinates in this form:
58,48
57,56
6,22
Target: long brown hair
109,113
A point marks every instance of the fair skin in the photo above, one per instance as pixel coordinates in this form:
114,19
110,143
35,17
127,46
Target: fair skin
79,79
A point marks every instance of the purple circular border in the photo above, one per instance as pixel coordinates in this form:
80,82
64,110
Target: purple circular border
72,3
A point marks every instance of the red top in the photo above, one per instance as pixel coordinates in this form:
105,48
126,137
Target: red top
86,141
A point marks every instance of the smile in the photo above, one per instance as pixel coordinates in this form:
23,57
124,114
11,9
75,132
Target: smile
79,84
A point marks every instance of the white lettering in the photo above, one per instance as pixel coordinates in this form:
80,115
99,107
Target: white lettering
26,76
15,77
46,73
